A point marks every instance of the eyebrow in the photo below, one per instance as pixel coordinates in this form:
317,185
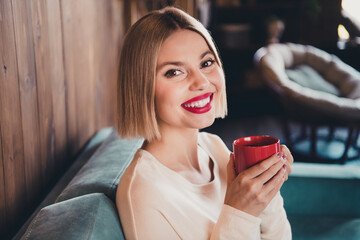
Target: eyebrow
206,53
180,63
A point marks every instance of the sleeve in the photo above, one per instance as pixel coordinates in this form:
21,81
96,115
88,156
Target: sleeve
235,224
274,224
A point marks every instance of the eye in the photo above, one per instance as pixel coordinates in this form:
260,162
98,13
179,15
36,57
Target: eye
207,63
172,73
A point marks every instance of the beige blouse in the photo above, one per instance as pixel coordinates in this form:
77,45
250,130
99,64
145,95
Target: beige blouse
155,202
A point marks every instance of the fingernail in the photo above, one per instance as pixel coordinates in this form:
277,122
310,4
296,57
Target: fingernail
284,166
283,157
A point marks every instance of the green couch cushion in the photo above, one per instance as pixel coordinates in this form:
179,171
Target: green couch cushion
92,145
103,170
322,190
89,217
324,228
307,77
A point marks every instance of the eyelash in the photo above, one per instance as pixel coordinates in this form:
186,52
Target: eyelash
212,61
170,73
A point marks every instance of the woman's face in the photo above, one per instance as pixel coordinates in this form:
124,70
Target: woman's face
188,82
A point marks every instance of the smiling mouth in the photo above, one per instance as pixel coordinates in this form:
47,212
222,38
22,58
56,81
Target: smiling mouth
200,104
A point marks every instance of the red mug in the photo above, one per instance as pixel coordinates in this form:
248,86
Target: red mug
251,150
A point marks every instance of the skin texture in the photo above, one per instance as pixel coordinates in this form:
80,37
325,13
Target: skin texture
186,69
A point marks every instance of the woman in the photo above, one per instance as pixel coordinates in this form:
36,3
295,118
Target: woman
181,183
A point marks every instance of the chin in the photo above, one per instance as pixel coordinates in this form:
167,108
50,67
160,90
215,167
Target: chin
207,123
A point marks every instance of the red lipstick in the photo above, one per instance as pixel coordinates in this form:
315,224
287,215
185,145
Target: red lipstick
199,104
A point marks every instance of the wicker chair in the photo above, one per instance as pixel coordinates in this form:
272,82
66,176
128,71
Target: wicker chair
317,91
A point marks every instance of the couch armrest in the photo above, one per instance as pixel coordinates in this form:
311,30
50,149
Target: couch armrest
102,172
92,216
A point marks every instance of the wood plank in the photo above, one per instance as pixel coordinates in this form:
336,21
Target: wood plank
10,118
28,98
109,31
78,18
69,69
44,101
51,84
56,61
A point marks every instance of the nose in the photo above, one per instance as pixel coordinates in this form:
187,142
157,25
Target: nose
199,81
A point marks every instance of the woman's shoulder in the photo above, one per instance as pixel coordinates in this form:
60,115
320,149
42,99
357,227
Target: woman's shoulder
138,170
139,179
144,175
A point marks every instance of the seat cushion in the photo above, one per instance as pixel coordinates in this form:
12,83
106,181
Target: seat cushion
322,190
322,201
324,228
103,170
92,216
307,77
275,58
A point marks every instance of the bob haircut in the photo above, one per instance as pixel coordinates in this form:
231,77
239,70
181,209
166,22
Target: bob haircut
137,70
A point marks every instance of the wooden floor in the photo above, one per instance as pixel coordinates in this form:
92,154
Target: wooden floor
230,129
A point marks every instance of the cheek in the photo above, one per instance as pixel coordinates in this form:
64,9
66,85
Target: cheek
166,98
218,79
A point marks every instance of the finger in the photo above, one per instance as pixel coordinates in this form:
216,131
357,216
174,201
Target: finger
264,165
273,191
274,184
271,172
230,170
289,159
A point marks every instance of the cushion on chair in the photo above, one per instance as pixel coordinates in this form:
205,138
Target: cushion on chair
103,170
88,217
346,77
275,58
307,77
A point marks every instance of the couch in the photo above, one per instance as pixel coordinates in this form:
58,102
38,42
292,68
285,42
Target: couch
322,201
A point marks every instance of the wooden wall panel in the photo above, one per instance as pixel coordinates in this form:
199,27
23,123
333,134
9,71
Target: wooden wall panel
58,73
47,39
58,87
28,97
10,119
107,35
79,60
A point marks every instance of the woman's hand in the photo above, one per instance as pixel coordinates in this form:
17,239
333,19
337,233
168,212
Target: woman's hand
253,189
289,160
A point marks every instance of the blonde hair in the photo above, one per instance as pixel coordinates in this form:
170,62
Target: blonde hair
138,58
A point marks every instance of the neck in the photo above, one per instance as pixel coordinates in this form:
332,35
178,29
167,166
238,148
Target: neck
176,149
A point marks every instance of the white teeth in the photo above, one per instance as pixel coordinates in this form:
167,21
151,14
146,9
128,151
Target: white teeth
198,104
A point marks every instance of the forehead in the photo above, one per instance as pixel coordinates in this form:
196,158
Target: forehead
184,43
